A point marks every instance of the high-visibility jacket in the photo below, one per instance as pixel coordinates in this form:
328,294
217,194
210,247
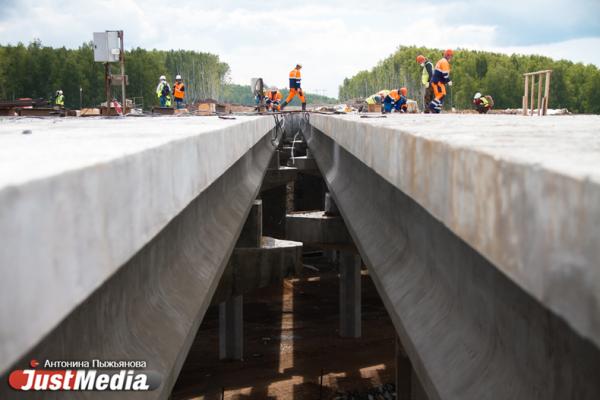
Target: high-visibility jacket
372,99
394,94
427,73
441,73
179,90
274,96
60,100
163,89
295,79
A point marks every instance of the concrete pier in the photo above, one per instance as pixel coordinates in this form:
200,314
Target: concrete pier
350,295
231,328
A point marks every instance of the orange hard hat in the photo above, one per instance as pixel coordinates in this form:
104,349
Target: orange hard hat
448,53
403,91
421,59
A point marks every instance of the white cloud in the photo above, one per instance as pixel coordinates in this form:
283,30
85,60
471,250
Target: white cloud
333,39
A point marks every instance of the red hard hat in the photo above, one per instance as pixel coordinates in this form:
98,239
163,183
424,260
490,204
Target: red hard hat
420,59
448,53
403,91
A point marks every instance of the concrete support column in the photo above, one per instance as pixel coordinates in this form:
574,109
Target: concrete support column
408,386
231,329
350,295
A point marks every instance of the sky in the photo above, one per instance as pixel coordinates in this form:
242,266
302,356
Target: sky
331,39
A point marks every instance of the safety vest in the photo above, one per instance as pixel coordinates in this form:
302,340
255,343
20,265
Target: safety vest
295,79
484,102
425,77
179,90
394,94
371,99
161,87
442,72
274,96
60,100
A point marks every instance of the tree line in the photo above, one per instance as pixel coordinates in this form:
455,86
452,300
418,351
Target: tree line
38,71
574,86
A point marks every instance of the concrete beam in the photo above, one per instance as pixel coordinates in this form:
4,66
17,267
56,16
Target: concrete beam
350,295
318,228
470,332
150,307
523,193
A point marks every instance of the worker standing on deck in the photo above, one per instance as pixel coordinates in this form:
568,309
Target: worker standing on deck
59,99
426,76
273,99
163,91
178,92
441,77
295,88
482,104
395,99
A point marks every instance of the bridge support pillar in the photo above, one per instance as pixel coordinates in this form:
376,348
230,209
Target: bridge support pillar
231,329
350,295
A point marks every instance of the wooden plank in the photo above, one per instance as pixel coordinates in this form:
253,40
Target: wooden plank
547,92
539,99
526,95
532,92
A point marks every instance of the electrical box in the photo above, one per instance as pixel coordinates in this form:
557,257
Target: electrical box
107,46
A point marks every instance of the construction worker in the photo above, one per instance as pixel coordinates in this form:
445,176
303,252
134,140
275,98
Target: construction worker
426,76
59,99
295,88
163,91
482,104
178,92
395,99
441,77
273,98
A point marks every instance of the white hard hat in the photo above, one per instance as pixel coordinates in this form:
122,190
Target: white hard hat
60,92
163,78
178,77
477,96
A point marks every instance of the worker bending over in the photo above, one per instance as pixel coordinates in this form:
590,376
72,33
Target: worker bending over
395,99
295,88
426,76
163,91
178,92
273,99
482,104
441,77
59,99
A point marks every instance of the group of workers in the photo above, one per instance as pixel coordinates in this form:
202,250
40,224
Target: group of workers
273,97
434,79
165,94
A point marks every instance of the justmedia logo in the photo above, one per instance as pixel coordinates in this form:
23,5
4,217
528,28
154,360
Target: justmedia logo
76,376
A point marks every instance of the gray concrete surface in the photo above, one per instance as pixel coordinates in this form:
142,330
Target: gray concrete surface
231,328
523,192
78,198
469,330
317,228
350,295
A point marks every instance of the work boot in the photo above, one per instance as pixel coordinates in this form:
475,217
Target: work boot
283,105
303,106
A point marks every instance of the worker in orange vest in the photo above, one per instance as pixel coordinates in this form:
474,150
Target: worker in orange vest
273,98
295,88
441,77
178,91
395,99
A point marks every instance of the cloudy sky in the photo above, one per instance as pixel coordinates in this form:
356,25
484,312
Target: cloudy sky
332,39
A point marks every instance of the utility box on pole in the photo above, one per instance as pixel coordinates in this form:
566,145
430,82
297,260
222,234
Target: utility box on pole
107,46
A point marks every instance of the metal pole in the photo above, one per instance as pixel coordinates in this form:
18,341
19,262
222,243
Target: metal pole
107,86
122,59
547,92
539,99
526,95
532,92
80,97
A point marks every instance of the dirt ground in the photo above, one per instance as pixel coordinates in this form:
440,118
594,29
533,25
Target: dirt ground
291,338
